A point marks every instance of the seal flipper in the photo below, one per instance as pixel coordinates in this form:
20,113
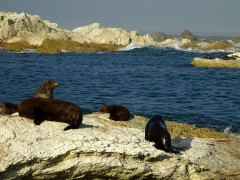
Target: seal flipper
70,127
37,116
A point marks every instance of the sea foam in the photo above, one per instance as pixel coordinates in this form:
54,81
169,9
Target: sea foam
131,46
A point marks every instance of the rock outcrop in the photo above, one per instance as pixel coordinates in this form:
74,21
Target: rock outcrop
33,32
160,36
106,149
188,35
24,31
231,61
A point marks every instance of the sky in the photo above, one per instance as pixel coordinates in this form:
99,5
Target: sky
216,17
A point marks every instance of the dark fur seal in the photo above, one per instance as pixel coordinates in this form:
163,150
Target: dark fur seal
117,112
41,109
45,90
156,131
228,58
207,56
7,108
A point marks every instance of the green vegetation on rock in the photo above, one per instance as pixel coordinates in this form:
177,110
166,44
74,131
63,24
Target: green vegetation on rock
2,18
10,22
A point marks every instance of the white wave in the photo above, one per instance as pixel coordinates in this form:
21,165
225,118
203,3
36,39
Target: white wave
177,44
228,131
30,50
131,46
64,51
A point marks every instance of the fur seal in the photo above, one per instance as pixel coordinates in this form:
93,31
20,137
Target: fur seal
7,108
117,112
207,56
228,58
156,131
40,109
45,90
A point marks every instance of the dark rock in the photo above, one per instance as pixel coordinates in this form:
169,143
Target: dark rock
188,35
160,36
236,39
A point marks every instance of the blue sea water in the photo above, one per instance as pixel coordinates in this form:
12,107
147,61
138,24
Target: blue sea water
146,80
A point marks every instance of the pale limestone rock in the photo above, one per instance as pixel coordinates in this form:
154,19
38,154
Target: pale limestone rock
203,44
217,62
102,148
167,42
142,40
95,33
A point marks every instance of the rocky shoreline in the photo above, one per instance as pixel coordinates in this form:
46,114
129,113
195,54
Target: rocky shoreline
106,149
19,32
230,61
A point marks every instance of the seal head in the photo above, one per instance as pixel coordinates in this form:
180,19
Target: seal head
45,90
7,108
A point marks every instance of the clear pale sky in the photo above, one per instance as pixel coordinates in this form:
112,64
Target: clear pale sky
144,16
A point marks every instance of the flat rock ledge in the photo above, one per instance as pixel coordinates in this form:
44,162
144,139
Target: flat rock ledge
218,62
105,149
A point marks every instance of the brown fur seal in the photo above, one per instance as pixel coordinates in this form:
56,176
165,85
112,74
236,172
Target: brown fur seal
156,131
227,58
117,112
7,108
45,90
207,56
41,109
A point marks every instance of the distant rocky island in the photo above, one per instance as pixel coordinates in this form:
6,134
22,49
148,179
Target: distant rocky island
24,31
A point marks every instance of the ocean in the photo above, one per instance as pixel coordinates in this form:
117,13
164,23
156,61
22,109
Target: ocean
147,80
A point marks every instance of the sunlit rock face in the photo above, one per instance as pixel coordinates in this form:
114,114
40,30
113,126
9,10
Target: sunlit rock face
231,61
102,148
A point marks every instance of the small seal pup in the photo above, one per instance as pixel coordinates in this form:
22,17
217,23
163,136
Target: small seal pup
156,131
40,109
45,90
7,108
117,112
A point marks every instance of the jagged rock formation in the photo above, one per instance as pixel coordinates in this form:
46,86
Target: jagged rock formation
23,31
188,35
160,36
232,61
106,149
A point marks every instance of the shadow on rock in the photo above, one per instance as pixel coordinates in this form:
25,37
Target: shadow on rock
182,144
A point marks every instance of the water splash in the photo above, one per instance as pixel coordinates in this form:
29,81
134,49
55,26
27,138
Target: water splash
131,46
228,131
177,44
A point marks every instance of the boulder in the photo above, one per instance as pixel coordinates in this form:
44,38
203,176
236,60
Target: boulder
232,61
160,36
106,149
219,45
95,33
236,39
188,35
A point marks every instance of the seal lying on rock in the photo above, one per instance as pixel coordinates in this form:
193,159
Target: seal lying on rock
156,131
7,108
45,90
117,112
228,58
207,56
41,109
